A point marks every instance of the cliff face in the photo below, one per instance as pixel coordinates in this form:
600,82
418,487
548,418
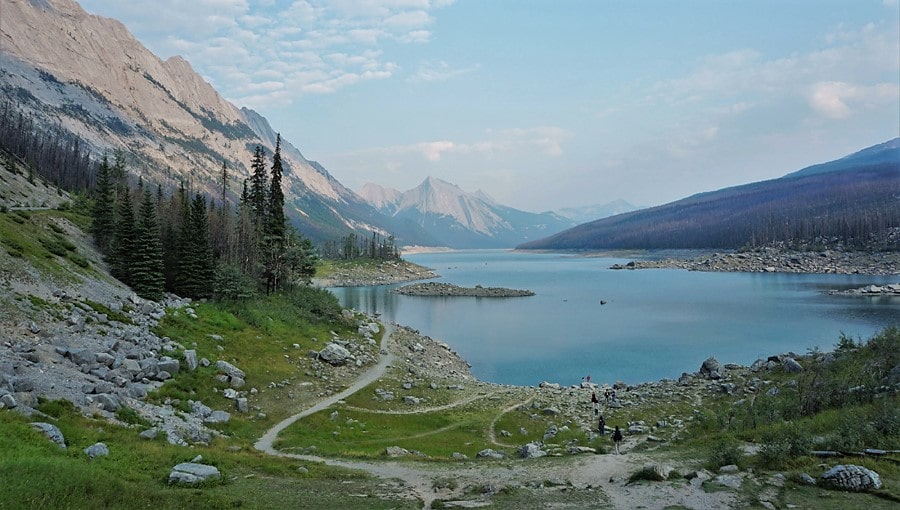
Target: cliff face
89,75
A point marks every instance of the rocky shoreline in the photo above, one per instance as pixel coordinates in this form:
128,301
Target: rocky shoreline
869,290
776,260
448,289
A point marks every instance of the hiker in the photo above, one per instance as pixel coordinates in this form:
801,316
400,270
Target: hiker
606,394
596,403
617,438
602,426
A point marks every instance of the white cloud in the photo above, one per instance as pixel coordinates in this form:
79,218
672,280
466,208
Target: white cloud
837,100
438,71
319,46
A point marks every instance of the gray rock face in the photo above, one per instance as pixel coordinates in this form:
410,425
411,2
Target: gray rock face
168,365
52,432
191,473
8,401
334,354
850,477
96,450
218,417
108,402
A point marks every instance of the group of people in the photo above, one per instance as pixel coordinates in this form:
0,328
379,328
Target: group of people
601,425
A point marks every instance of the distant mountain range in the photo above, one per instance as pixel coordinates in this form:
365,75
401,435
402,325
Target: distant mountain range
853,201
588,213
455,218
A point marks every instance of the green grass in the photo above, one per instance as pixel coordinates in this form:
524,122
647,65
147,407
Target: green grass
38,474
33,236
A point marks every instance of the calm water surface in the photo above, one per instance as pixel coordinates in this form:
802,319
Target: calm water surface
656,323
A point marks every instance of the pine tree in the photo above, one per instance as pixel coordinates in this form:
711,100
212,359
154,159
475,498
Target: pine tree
259,182
124,242
224,183
275,215
147,267
103,222
202,263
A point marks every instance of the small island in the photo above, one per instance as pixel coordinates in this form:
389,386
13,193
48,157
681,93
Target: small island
448,289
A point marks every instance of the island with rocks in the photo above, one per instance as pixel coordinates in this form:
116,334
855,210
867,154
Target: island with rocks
448,289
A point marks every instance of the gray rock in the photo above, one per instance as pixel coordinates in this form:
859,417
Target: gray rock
149,434
218,417
531,451
82,356
242,405
52,432
731,481
96,450
8,401
162,375
191,473
190,359
396,451
334,354
729,469
491,454
791,366
105,358
237,383
169,365
229,369
108,402
551,411
551,432
850,477
21,385
805,479
200,409
459,456
131,365
637,429
411,400
709,367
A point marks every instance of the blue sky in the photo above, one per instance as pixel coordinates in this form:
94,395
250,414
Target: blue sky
548,104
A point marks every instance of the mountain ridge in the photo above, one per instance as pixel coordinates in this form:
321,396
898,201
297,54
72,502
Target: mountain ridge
846,202
461,219
90,76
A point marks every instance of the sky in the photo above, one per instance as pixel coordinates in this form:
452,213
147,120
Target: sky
547,104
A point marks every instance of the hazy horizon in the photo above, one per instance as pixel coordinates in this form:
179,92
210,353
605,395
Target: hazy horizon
546,105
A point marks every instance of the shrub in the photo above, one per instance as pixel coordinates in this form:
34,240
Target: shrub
783,444
724,452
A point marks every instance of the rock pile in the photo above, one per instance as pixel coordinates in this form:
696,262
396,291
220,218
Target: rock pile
851,478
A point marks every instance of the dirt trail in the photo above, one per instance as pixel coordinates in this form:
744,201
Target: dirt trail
421,481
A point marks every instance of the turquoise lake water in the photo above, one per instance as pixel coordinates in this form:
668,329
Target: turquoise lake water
656,323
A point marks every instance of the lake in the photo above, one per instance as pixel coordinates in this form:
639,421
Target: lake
656,323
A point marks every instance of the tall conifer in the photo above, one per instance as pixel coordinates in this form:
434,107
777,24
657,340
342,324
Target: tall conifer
147,267
124,242
103,213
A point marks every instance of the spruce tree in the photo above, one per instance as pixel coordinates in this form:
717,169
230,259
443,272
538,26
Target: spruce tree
103,213
201,256
259,182
275,217
147,278
124,244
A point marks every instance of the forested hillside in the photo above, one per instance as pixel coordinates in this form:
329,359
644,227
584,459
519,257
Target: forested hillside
852,202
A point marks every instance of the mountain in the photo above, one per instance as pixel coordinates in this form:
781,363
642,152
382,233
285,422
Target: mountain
458,219
853,201
588,213
87,75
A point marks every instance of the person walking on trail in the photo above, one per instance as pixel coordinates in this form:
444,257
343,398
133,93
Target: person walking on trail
596,402
617,438
602,426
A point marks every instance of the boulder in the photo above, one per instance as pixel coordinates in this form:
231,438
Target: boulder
52,432
850,477
731,481
168,365
396,451
108,402
531,451
191,473
242,405
190,359
791,366
229,369
710,368
8,401
491,454
218,417
96,450
334,354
